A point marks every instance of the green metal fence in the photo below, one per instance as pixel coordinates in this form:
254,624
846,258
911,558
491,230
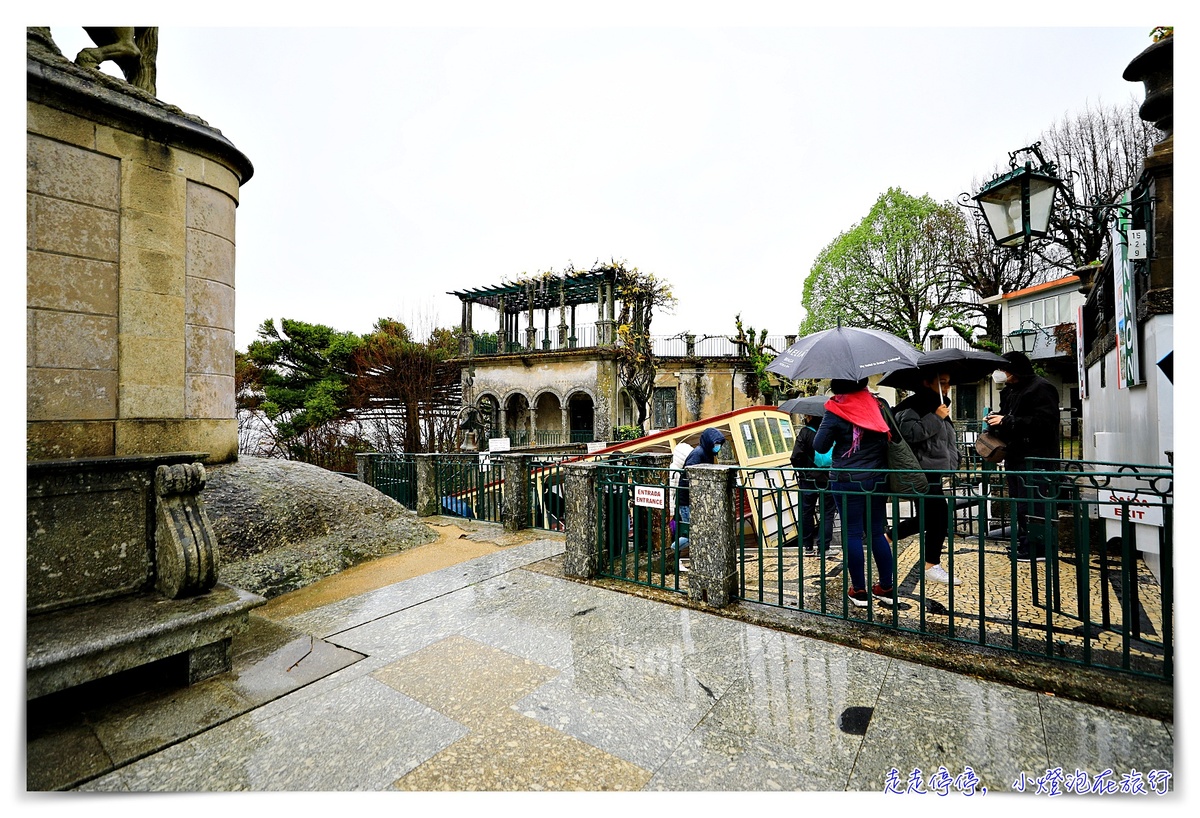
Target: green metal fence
634,526
547,494
396,476
469,486
1100,596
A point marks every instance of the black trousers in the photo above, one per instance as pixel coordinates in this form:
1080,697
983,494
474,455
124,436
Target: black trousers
934,510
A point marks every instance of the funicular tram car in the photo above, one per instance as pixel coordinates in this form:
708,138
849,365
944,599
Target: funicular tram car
757,438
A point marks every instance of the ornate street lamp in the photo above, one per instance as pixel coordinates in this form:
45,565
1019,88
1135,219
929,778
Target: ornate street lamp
1025,336
1017,205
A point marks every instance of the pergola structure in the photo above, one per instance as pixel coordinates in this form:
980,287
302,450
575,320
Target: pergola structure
543,293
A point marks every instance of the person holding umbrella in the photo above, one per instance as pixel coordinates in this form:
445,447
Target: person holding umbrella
924,421
856,430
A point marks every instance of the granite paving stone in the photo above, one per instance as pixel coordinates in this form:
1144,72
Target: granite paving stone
362,736
1089,738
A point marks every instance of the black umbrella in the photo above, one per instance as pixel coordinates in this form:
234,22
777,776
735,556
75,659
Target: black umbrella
812,405
848,353
963,366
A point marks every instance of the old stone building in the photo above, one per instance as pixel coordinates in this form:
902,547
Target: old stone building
544,371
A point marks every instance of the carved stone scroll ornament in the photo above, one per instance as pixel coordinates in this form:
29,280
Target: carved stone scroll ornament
185,546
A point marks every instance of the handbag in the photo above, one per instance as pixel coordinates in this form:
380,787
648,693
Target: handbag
900,457
990,447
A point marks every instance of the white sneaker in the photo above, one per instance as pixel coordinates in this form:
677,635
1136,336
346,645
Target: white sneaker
938,574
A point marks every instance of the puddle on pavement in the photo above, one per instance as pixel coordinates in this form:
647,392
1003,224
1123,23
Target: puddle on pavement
451,548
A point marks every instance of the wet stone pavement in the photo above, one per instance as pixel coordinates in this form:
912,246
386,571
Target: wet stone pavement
486,675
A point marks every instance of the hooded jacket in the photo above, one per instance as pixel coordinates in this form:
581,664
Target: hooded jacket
931,437
704,453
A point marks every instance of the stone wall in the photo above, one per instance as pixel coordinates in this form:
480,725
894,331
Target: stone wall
130,272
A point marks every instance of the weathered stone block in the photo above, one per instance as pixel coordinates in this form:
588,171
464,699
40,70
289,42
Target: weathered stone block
211,396
209,303
151,401
210,256
220,177
210,351
153,232
429,502
72,284
59,125
58,440
68,172
153,271
151,362
72,340
155,191
217,436
151,315
70,394
210,210
58,226
86,535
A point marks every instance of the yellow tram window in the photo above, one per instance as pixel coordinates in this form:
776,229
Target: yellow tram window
776,435
748,440
764,440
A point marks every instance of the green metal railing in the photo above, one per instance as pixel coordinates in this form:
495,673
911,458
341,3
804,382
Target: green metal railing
396,476
1092,600
634,530
469,486
547,494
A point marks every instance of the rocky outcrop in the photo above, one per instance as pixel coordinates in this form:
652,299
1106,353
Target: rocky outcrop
281,525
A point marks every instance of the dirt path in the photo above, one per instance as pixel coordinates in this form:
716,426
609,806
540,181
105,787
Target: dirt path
456,543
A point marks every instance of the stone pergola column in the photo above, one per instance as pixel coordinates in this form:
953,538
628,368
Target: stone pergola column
566,422
712,544
503,431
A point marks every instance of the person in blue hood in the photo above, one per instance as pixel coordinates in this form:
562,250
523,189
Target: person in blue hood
706,452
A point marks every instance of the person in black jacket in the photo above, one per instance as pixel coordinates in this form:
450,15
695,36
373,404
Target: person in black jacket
1028,423
924,421
814,490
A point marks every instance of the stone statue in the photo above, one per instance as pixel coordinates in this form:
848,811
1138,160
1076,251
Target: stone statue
134,50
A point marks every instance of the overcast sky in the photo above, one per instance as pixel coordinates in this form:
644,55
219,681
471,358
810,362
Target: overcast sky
396,163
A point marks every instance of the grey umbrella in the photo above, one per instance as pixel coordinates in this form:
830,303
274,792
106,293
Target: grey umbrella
848,353
963,366
811,405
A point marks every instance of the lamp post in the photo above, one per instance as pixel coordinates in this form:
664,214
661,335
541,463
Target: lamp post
1025,336
1017,205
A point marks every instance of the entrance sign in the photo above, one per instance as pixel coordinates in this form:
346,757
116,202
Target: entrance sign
596,446
650,496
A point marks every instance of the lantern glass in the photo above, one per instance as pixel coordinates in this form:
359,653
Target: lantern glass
1041,203
1008,201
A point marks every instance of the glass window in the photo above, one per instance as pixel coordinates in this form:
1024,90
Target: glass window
1039,312
1065,313
789,439
1051,312
776,435
764,440
748,440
